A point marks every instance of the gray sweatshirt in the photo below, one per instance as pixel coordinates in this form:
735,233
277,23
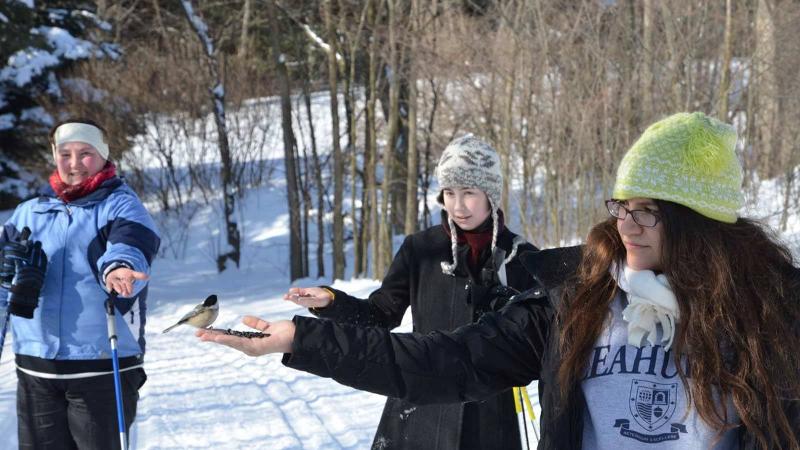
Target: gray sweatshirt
635,398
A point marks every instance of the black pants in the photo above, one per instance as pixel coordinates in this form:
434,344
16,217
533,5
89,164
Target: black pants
74,414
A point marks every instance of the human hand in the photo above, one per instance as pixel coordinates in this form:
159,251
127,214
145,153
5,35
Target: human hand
120,280
313,297
281,336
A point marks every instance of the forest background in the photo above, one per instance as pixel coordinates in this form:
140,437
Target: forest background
189,91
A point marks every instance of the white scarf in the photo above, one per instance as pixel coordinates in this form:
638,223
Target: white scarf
650,302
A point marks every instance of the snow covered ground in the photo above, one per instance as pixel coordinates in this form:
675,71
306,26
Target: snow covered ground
201,395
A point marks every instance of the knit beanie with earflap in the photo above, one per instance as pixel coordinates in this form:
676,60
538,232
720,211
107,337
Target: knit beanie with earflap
468,162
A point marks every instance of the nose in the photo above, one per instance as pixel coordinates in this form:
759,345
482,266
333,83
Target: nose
459,204
628,226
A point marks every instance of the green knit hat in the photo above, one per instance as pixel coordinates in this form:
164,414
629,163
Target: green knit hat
687,158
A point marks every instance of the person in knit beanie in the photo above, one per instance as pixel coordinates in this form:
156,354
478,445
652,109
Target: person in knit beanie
449,276
674,326
469,163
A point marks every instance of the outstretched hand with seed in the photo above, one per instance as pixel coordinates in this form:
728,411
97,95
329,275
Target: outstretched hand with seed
277,337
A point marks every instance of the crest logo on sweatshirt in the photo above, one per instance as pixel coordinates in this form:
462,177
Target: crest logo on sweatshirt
652,406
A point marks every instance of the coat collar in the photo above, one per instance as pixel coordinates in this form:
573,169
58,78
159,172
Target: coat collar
47,195
552,267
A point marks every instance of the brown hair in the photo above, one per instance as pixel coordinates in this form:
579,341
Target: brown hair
737,291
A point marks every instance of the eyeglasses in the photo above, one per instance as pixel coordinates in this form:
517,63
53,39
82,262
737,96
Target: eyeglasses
640,216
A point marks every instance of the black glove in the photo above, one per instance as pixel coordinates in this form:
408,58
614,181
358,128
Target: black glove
28,281
11,252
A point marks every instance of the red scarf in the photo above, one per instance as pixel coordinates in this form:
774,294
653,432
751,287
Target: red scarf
478,239
72,192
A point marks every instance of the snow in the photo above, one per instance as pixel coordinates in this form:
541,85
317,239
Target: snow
6,121
320,42
26,64
201,395
199,26
37,114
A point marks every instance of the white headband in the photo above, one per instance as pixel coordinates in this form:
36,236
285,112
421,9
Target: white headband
80,132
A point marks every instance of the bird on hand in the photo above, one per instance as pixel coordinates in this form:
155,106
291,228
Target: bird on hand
202,316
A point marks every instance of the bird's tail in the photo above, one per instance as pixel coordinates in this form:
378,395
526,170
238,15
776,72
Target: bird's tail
169,328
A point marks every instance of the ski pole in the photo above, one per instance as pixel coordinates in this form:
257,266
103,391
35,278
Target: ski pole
23,239
528,405
523,430
112,338
4,313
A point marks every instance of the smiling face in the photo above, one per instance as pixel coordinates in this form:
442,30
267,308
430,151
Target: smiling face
642,244
78,161
468,207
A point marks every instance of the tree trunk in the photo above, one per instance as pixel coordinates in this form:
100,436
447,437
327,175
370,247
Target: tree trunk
305,192
385,224
768,116
372,143
289,146
648,48
244,38
426,163
412,165
320,188
727,55
338,163
217,98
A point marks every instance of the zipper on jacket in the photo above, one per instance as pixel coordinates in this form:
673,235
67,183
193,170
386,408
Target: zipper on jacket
63,273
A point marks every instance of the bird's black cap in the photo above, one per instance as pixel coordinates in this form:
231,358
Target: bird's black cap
210,300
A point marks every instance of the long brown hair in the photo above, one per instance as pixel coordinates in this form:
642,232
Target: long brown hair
738,294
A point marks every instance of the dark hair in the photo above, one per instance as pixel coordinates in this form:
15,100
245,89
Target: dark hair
52,133
737,291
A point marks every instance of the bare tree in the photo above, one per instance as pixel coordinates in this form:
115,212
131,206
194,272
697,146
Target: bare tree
338,160
289,146
412,166
217,98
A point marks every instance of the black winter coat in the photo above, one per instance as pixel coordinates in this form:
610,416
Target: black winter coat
438,302
508,348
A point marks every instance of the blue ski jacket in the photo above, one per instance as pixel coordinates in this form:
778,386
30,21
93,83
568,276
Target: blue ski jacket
84,240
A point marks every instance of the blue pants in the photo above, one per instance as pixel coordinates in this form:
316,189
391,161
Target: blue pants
74,414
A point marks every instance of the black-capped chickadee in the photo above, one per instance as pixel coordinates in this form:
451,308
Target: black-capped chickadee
202,316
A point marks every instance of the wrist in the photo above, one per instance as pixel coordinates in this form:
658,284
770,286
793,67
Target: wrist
332,295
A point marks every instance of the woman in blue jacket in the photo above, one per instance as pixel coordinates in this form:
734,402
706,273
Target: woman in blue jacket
98,237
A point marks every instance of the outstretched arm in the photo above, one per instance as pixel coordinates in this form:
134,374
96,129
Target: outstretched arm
385,306
502,350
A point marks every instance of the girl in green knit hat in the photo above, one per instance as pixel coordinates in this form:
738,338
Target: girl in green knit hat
677,324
